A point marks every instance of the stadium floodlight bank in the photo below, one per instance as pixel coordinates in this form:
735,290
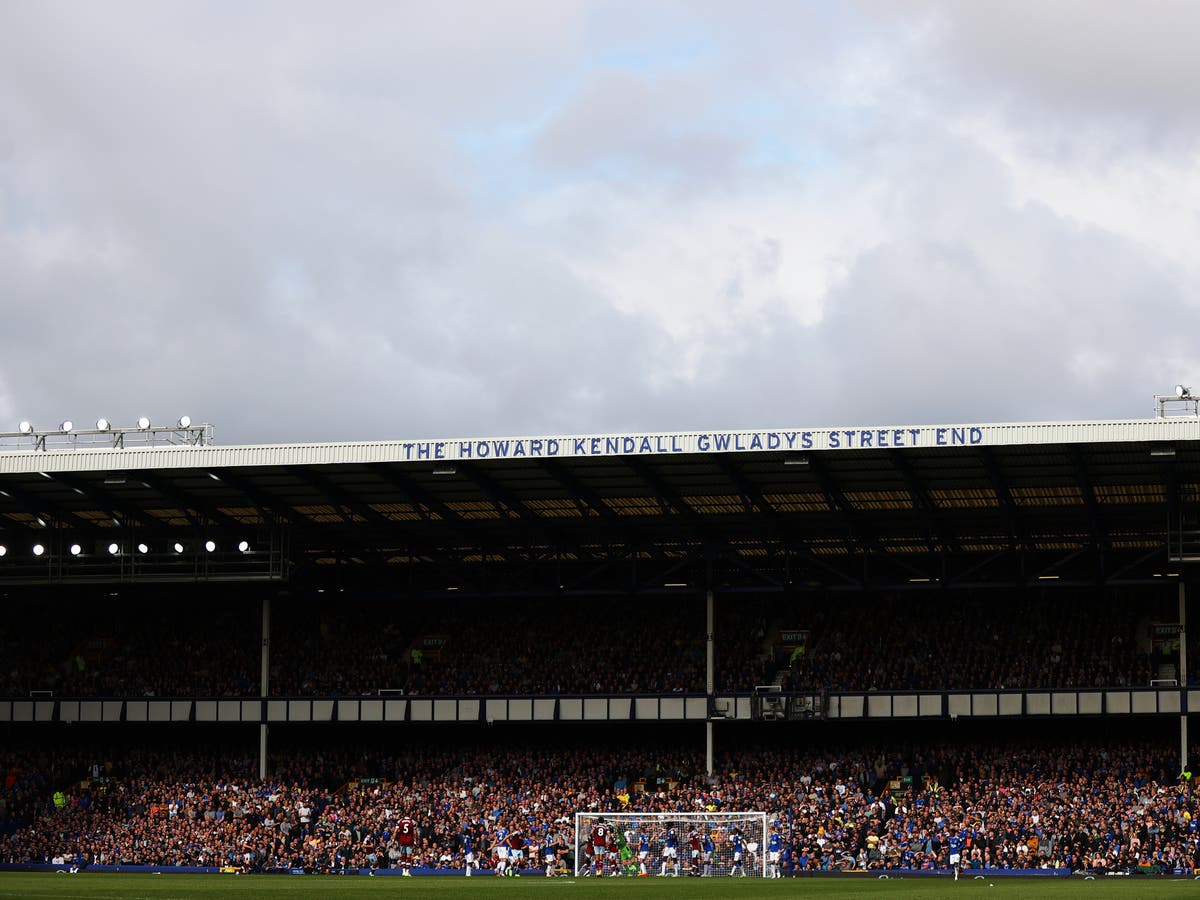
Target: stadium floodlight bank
625,831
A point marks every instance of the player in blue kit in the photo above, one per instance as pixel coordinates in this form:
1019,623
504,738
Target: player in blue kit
468,850
774,852
739,848
670,853
709,849
955,845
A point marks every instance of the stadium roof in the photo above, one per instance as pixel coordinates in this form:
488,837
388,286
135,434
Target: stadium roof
1068,503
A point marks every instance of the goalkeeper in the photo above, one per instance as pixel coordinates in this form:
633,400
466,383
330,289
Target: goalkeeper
622,853
625,867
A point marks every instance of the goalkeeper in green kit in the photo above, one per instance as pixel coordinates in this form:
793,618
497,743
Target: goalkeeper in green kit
624,853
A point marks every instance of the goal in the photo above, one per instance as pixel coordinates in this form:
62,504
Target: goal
642,842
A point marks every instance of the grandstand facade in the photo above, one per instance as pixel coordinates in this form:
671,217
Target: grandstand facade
713,587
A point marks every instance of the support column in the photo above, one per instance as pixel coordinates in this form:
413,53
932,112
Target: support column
710,679
265,685
1183,679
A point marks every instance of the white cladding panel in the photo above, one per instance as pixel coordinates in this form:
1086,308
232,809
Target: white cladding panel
794,438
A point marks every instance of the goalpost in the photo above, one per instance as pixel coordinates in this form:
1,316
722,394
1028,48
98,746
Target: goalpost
624,831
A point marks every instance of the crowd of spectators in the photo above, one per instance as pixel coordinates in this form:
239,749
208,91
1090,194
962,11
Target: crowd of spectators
994,641
1083,805
341,644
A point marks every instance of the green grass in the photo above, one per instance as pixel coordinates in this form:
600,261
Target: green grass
105,886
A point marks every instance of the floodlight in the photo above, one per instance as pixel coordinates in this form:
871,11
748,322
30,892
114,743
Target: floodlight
25,427
102,424
210,546
76,549
1180,390
178,547
66,425
143,422
114,549
185,421
38,549
3,550
244,546
142,548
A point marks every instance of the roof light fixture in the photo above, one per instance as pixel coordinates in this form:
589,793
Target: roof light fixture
38,549
26,427
178,547
210,546
244,546
66,425
143,422
142,548
114,549
102,424
3,550
185,421
76,549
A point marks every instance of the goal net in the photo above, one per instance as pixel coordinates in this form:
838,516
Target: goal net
718,844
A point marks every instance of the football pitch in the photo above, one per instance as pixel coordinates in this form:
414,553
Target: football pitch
104,886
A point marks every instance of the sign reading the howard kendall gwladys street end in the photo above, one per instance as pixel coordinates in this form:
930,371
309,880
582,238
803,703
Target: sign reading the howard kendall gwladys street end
701,442
799,440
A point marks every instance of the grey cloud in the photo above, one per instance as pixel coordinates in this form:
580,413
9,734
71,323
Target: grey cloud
275,226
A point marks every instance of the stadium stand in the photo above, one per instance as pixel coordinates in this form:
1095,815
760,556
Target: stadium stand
1024,802
131,647
499,644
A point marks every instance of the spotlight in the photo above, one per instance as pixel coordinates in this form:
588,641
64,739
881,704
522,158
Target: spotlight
185,421
143,422
210,546
142,548
244,546
38,549
178,547
114,549
102,424
76,549
25,427
66,425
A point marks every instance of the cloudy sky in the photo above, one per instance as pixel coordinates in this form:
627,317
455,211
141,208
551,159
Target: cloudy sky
327,221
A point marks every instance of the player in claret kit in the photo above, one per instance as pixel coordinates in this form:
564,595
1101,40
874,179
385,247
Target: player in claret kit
694,851
405,836
599,840
516,852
